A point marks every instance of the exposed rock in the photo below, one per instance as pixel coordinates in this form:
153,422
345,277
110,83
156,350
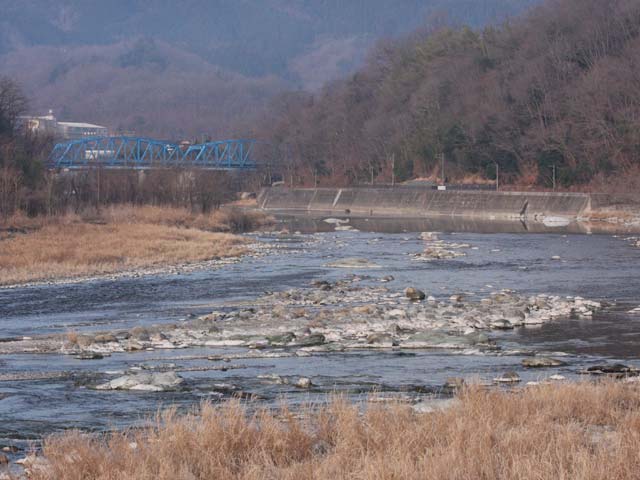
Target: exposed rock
89,356
322,285
303,382
439,339
310,340
104,338
429,236
380,338
438,253
556,221
508,377
140,333
364,309
414,294
616,368
149,382
4,460
133,346
353,263
34,465
274,378
541,362
84,340
282,339
387,278
335,221
502,324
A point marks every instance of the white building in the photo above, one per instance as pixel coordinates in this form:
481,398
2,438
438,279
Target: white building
49,125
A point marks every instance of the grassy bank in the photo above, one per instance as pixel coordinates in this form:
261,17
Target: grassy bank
115,240
573,431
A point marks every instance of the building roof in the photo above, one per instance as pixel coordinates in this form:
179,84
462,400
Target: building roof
80,125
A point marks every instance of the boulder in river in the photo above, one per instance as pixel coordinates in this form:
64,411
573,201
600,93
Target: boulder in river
281,339
105,338
310,340
147,382
380,338
616,368
89,356
414,294
541,362
140,333
84,340
353,263
303,382
502,324
508,377
440,339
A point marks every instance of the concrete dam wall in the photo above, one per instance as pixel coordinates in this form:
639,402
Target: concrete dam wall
422,202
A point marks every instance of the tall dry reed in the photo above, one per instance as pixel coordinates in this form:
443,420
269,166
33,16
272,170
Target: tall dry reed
574,431
117,239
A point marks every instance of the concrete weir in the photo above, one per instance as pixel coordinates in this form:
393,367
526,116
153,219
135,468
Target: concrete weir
422,202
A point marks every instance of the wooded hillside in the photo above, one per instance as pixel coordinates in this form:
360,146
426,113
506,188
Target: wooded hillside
558,87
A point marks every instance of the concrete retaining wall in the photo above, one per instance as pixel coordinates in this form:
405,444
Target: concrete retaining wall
416,202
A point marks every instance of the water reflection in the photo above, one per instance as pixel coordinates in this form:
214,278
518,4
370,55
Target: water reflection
317,223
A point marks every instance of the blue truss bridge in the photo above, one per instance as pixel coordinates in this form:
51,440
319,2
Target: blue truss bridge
146,153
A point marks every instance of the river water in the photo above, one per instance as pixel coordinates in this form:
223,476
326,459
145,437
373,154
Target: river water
599,267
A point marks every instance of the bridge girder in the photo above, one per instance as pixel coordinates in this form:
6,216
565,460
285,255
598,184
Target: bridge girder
147,153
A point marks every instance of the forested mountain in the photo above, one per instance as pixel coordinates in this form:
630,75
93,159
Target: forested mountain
557,88
179,68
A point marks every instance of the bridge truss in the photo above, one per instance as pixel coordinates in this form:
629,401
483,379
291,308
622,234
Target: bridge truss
146,153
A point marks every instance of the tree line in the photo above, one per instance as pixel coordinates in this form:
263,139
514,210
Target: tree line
28,186
553,95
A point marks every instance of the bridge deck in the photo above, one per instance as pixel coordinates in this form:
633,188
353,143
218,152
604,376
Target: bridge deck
147,153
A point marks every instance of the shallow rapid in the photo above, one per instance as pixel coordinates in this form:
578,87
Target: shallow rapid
42,393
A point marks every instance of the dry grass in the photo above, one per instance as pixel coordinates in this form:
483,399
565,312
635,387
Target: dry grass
223,220
575,431
60,251
117,239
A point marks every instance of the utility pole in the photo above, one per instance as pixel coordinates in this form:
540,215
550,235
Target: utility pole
393,169
497,177
442,167
554,177
371,171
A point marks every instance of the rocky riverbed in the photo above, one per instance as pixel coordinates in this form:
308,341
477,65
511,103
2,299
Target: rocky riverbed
324,318
343,311
331,317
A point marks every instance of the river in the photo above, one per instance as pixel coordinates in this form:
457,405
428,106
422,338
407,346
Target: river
599,267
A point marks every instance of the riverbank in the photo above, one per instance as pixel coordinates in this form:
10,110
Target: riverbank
580,430
118,240
324,313
534,210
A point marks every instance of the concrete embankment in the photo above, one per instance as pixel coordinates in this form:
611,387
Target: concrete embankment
418,202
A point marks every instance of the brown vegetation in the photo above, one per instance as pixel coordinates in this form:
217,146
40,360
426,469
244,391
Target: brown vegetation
556,88
117,239
577,431
186,72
